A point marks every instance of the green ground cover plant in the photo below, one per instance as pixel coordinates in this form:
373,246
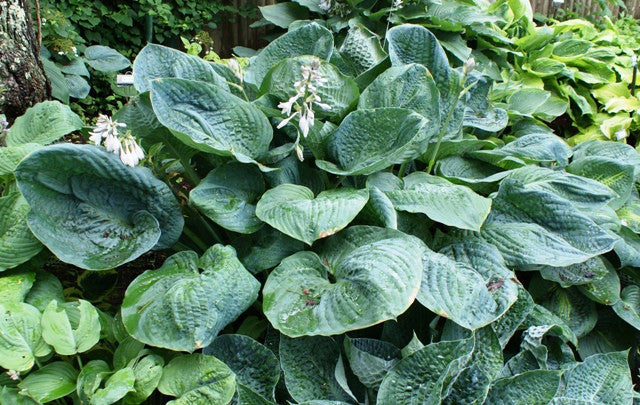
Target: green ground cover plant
345,218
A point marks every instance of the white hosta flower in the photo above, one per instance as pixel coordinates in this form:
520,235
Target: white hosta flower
634,60
397,4
112,143
105,127
305,98
14,375
325,5
130,152
299,152
4,125
468,66
621,134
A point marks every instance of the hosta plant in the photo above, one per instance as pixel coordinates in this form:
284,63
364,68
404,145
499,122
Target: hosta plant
325,233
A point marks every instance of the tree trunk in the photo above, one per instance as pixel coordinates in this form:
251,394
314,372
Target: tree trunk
23,81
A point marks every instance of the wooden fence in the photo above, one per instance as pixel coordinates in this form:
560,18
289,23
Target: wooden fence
239,32
583,7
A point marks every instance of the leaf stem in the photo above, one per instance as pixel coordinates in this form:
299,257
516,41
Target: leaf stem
432,159
195,239
403,167
339,180
202,222
80,362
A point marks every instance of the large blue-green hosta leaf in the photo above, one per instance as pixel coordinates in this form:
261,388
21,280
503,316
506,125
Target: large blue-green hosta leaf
616,175
310,39
437,198
91,210
94,212
15,285
309,365
584,193
293,210
530,387
157,61
601,378
228,195
370,140
377,276
210,119
423,376
535,227
370,359
256,368
410,86
180,308
532,148
43,123
415,44
361,49
340,92
17,243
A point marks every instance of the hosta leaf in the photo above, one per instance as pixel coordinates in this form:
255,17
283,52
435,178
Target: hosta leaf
309,365
256,367
157,62
43,123
415,44
15,285
601,378
472,384
610,334
628,308
370,359
509,323
441,200
605,290
78,86
228,195
71,327
147,372
376,273
540,316
12,396
361,49
59,87
105,59
17,243
194,305
379,209
97,373
210,119
197,379
10,156
487,261
340,92
52,381
576,310
420,377
530,387
536,227
629,214
46,288
310,39
526,101
613,174
493,120
368,141
617,151
265,249
532,148
293,210
473,173
91,210
586,194
456,291
410,86
283,14
576,274
20,336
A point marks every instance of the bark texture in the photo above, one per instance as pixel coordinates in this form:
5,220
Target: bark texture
23,82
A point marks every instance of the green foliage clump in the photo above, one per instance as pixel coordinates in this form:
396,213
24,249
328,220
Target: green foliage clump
343,218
